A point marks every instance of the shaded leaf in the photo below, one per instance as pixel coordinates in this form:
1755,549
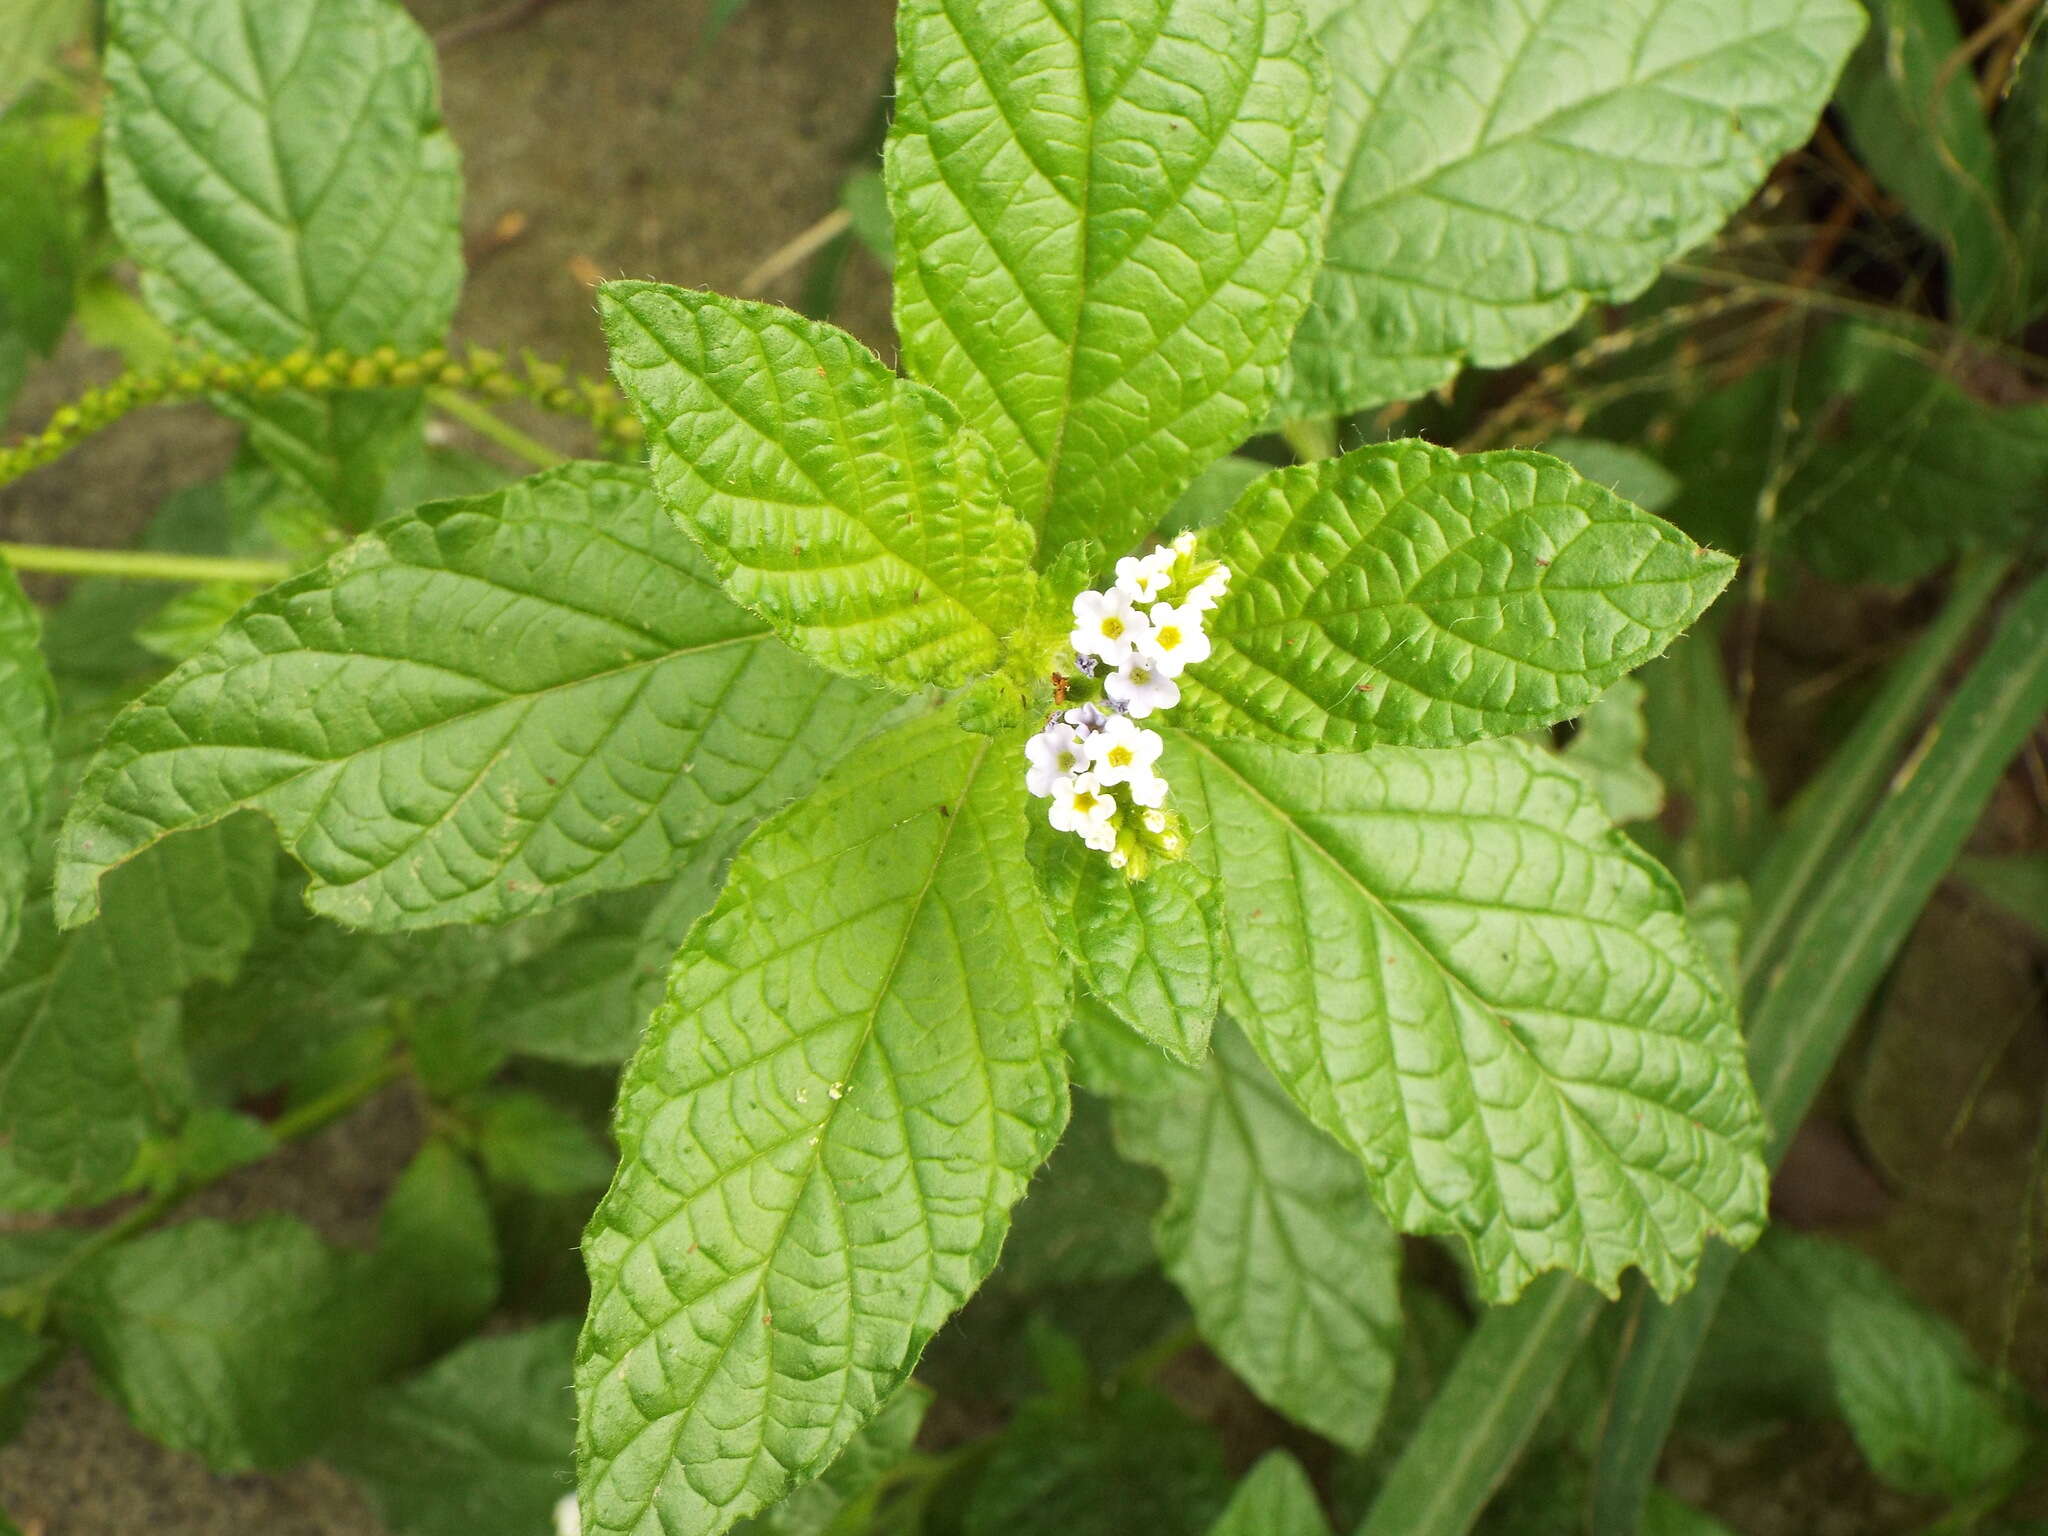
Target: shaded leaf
1607,752
1275,1499
27,717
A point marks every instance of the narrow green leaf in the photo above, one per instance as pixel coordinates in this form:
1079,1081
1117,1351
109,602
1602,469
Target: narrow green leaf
28,711
2023,158
855,1073
1837,931
241,1344
479,1443
1495,170
1607,752
1717,820
47,161
1915,121
1269,1231
1461,971
509,701
279,171
89,1051
850,508
1148,949
1492,1403
1107,227
1404,594
1275,1499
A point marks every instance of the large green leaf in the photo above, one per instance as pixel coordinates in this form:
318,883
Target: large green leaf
1916,122
27,716
242,1344
501,703
850,508
1149,949
856,1071
279,171
89,1052
1496,168
1107,228
1462,971
1275,1499
481,1442
833,1502
1269,1229
1405,594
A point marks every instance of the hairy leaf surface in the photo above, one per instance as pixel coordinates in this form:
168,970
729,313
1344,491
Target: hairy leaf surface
279,171
507,701
1497,168
854,1075
1107,228
27,715
1269,1229
1148,949
850,508
1406,594
90,1060
1458,968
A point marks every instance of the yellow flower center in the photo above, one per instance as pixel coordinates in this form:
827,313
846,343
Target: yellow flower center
1084,802
1112,627
1169,638
1119,757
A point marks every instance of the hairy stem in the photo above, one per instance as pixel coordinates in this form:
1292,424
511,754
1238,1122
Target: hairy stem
139,564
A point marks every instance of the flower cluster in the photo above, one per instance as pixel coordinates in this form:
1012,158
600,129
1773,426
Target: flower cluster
1094,762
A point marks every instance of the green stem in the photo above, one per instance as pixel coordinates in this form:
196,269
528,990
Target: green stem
483,421
139,564
29,1300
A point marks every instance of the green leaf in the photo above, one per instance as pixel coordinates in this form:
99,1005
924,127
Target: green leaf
529,1143
184,626
480,1443
1628,472
575,1001
1275,1499
89,1057
1147,948
2023,157
1405,594
31,34
1906,468
1494,172
241,1344
47,160
1718,816
2016,884
1087,1468
1106,231
850,508
279,171
436,1246
856,1071
1087,1219
507,702
1269,1231
1461,971
835,1501
28,711
688,897
1915,121
1607,752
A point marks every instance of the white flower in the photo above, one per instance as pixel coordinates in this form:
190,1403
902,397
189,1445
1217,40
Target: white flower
1079,805
1176,639
1209,591
1140,687
1144,578
1087,717
1057,752
568,1519
1101,839
1107,624
1123,753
